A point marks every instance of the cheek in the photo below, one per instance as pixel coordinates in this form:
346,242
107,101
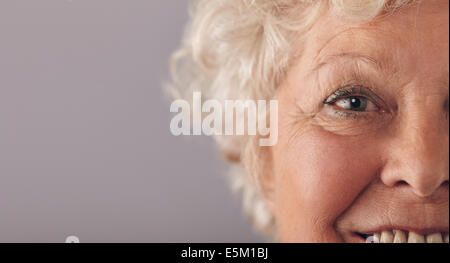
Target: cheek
318,175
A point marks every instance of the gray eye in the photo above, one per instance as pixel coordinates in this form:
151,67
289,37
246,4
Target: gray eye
356,103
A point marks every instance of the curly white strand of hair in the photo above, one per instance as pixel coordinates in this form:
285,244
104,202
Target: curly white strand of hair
240,49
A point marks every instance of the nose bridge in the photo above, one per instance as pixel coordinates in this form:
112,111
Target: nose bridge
425,132
424,147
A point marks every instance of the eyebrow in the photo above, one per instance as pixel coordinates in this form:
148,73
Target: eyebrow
329,59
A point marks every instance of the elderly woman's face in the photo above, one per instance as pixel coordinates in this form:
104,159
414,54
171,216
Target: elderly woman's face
363,130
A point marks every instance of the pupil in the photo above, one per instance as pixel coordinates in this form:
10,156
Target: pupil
355,102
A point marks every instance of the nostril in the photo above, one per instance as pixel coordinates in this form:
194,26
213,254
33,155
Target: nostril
401,183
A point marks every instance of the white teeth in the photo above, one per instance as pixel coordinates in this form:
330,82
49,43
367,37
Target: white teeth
415,238
400,236
387,237
434,238
373,239
377,237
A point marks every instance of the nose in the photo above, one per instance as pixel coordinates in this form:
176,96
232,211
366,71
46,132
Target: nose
418,152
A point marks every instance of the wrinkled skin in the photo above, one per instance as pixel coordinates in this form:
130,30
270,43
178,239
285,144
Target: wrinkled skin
379,161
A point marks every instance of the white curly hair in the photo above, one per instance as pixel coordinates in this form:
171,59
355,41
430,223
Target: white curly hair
241,49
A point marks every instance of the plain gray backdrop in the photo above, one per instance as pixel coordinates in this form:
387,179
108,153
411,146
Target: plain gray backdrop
85,146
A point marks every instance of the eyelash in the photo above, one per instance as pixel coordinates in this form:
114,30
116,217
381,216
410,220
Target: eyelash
347,92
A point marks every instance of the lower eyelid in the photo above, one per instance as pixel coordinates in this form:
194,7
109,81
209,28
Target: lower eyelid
350,114
347,114
349,123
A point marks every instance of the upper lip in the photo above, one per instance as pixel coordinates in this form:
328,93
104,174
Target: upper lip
395,209
422,224
432,221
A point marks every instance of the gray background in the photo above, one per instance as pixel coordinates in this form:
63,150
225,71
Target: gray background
85,147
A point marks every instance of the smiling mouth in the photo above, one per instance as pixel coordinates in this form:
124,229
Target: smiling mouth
403,236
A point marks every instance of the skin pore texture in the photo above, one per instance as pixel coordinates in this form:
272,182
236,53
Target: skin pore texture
363,129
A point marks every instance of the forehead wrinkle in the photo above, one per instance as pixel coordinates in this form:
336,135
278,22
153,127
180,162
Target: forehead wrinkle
365,36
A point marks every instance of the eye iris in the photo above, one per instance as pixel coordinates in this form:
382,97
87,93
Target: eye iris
355,103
